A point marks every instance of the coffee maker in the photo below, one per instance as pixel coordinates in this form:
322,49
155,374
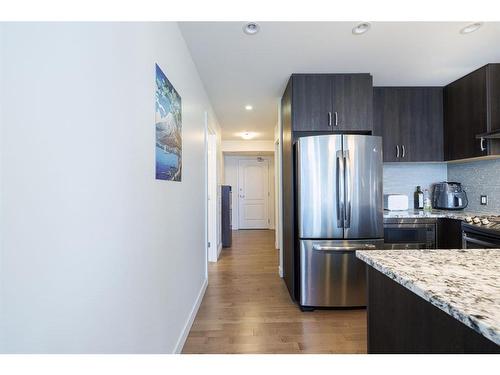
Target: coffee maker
449,196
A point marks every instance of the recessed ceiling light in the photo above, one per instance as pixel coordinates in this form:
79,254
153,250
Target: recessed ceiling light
251,28
247,135
361,28
471,28
248,107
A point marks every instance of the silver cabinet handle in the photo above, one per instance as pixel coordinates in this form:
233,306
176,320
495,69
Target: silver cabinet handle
483,148
340,185
397,151
403,147
329,118
336,118
348,208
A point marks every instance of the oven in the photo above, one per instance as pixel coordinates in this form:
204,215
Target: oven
474,237
410,233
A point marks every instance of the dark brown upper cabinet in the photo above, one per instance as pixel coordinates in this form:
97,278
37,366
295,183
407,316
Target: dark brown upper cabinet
353,101
332,102
472,108
312,102
410,120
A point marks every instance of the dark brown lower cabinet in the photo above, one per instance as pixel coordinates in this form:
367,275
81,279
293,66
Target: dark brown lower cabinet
449,233
400,322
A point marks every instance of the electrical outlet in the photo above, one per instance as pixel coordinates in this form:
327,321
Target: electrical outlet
484,200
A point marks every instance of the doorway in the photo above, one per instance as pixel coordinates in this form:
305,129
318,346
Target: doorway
253,193
212,196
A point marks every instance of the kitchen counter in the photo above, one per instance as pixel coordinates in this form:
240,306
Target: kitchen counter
437,214
465,284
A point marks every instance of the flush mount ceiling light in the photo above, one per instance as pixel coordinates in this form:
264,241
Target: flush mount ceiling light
248,107
471,28
251,28
247,135
361,28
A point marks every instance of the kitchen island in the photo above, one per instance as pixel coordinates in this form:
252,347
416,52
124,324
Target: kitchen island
433,301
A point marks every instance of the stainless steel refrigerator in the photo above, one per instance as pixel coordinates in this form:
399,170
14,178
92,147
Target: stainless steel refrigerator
340,210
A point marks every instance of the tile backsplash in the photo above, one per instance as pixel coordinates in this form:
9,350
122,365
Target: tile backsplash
403,178
478,178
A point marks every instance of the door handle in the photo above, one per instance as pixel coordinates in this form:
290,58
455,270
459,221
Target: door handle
340,187
483,148
475,241
336,118
397,151
317,247
403,147
348,209
329,118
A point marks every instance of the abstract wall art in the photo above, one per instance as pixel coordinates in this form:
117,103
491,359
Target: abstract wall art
168,121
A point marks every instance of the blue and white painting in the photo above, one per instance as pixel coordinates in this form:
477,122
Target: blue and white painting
168,119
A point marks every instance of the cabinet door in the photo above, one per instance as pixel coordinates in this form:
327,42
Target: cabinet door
353,102
410,120
312,102
493,96
465,116
386,121
424,119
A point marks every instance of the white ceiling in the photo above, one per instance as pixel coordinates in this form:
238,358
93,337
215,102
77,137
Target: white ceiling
238,69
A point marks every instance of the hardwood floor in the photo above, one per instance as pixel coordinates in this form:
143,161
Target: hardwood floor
247,308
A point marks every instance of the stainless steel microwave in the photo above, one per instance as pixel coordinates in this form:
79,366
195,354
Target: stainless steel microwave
406,233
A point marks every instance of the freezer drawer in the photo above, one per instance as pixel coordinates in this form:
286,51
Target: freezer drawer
330,273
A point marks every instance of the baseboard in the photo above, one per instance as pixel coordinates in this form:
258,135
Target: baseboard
219,249
189,322
280,271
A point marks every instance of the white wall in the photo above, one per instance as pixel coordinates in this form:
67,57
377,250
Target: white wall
231,178
97,256
247,146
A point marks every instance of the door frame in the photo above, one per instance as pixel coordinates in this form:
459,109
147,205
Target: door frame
278,160
211,193
277,193
240,211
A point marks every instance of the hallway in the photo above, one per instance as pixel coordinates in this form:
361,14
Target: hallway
247,308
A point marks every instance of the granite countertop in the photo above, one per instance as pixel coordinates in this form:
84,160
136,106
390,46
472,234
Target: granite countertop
459,214
463,283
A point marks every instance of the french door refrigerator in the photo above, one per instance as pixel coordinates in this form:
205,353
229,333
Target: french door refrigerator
340,210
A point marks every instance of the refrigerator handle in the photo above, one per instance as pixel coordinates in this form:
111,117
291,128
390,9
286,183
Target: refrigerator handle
348,208
340,189
317,247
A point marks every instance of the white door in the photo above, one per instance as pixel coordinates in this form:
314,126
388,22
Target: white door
253,186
